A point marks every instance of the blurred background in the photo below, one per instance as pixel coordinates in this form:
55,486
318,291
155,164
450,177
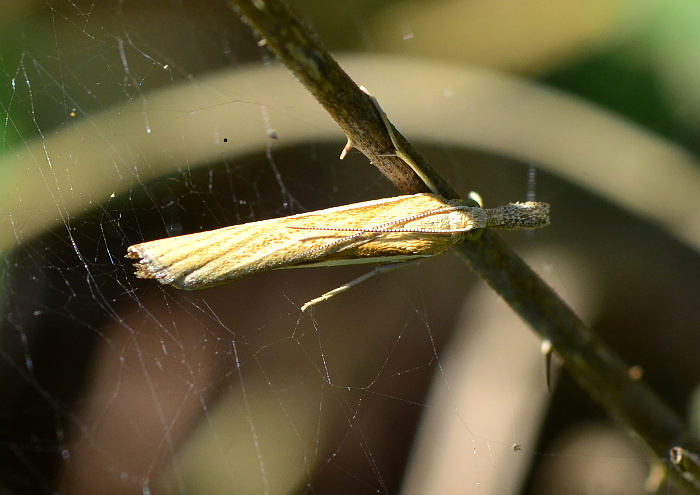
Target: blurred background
126,122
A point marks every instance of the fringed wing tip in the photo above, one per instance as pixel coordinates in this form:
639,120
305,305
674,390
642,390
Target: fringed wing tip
133,252
144,266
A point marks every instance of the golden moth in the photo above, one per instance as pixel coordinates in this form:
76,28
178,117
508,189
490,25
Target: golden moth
385,230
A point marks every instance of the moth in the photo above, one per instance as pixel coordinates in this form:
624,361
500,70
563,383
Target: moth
388,230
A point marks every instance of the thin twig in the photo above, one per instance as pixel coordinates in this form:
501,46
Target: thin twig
595,367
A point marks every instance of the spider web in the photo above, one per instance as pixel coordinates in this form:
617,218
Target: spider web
128,122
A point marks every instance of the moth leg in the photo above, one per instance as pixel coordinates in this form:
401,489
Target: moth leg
398,149
352,283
